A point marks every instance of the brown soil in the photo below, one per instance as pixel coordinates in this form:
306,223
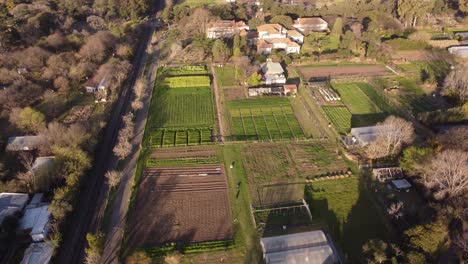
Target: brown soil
343,71
232,94
186,204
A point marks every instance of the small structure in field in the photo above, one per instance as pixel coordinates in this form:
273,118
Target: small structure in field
11,203
384,175
38,253
95,84
36,219
459,51
268,90
362,136
402,185
24,143
290,89
307,25
306,247
273,73
225,29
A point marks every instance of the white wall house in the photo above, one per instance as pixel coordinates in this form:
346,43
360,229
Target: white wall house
225,29
273,73
310,24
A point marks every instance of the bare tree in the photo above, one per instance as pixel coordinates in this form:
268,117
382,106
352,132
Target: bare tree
96,46
242,66
57,134
396,210
392,134
454,138
456,83
139,88
113,178
448,174
137,105
462,242
123,147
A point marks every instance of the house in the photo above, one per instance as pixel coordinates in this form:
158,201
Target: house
37,253
273,73
295,35
306,25
96,84
269,90
225,28
306,247
459,51
290,89
266,46
11,203
36,219
24,143
270,31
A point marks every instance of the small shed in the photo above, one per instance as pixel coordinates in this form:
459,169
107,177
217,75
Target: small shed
11,203
24,143
402,184
37,253
35,221
459,51
290,89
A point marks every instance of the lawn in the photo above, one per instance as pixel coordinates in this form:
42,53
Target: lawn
340,117
349,213
355,99
416,100
226,76
263,119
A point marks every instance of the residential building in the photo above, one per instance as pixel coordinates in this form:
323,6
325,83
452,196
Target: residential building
275,36
306,25
306,247
459,51
36,220
37,253
290,89
24,143
273,73
225,29
11,203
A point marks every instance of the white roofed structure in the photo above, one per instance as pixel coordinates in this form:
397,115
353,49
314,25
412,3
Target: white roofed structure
37,253
307,247
36,219
10,203
24,143
459,51
365,135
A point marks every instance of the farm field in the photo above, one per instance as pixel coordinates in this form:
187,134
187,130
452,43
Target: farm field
345,210
267,164
313,71
181,111
263,119
340,117
185,209
226,75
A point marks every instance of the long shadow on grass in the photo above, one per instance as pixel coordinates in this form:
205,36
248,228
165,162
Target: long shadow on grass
361,120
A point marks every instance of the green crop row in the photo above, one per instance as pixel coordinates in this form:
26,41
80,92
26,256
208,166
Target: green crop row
356,99
187,81
179,137
340,117
187,249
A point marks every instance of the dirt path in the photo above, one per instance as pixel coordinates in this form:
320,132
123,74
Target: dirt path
218,106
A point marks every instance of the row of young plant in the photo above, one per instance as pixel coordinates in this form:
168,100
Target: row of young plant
182,161
190,248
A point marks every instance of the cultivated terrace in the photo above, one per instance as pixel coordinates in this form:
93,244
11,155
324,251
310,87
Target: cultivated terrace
336,126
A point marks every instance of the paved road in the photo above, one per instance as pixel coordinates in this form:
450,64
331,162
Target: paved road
91,201
121,202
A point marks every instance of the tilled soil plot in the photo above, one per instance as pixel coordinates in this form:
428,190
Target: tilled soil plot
186,205
343,71
185,152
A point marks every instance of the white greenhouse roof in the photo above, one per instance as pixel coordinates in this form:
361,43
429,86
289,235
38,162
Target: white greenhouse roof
37,253
365,135
307,247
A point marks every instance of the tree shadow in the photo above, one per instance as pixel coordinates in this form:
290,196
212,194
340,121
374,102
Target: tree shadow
362,120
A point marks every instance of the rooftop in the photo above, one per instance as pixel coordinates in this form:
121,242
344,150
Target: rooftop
24,143
270,67
227,23
294,33
37,253
310,21
11,203
42,163
271,28
36,219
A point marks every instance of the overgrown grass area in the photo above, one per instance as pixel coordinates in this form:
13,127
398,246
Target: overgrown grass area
263,119
349,213
200,2
182,161
406,44
340,117
227,76
416,100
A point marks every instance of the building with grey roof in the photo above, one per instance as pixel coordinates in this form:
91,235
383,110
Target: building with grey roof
11,203
365,135
307,247
36,221
37,253
24,143
273,73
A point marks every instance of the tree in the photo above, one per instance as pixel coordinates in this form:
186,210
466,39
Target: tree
236,52
58,135
255,22
338,27
392,134
415,159
113,178
27,119
285,21
447,174
96,46
123,147
428,238
396,210
242,66
255,79
94,249
378,251
463,6
454,138
456,84
409,11
138,257
220,51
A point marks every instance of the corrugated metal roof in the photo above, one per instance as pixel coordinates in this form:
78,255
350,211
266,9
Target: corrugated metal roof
11,203
35,219
37,253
